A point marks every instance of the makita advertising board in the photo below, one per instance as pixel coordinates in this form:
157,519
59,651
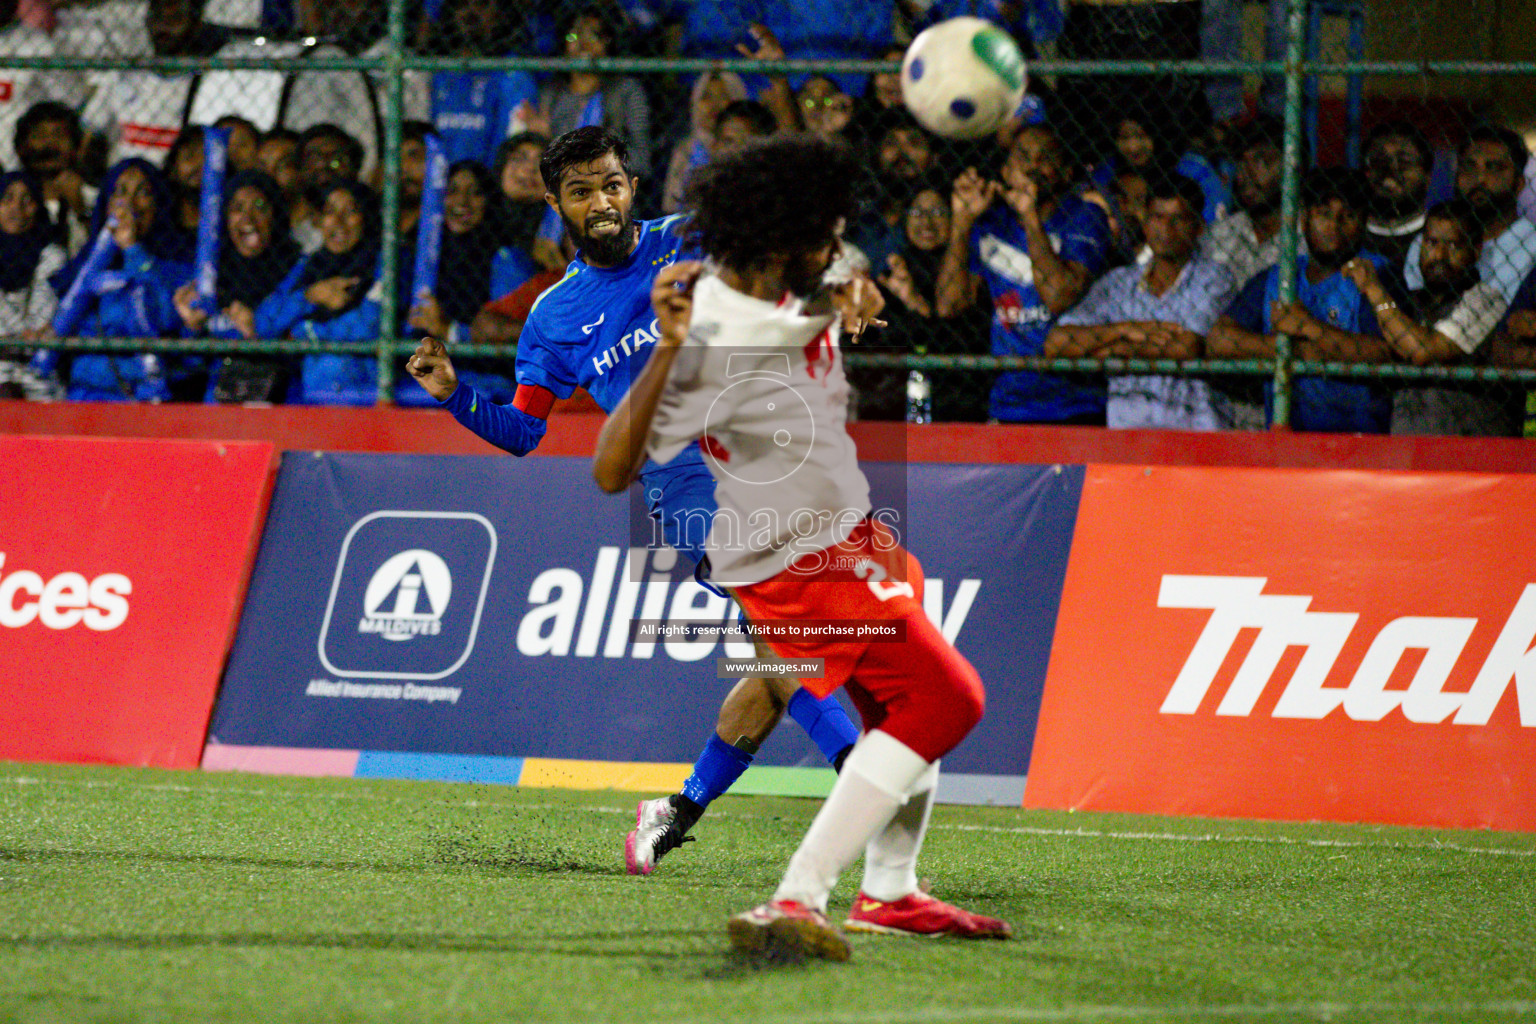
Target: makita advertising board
122,564
1291,644
482,607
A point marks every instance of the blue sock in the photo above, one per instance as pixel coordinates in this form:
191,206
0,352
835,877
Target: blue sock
718,767
825,721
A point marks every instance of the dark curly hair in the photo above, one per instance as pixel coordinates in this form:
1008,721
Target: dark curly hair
580,146
784,194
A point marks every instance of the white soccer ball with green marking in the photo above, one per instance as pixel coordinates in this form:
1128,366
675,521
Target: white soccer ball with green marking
963,78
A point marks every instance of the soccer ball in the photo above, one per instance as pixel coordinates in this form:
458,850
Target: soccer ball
963,78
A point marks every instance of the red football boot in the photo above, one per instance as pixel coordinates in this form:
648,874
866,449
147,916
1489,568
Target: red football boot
921,914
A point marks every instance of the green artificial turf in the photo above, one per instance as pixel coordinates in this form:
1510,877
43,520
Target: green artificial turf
142,896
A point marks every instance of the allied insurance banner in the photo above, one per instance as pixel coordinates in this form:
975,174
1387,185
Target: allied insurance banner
480,607
1296,644
122,565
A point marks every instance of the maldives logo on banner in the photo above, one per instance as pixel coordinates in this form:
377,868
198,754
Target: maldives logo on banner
122,566
1296,644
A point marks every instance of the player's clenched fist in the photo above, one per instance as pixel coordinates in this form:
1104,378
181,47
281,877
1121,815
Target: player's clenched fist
672,298
431,366
970,198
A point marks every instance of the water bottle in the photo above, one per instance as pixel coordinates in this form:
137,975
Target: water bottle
919,398
44,363
153,387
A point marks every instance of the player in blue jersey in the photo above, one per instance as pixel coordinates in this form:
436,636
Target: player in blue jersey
594,329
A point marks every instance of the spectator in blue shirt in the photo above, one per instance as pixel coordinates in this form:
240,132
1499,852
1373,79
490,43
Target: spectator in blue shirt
133,296
1331,318
711,94
900,158
713,28
831,28
257,253
1036,247
333,295
473,111
1160,310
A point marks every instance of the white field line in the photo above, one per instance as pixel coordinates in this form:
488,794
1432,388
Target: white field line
1024,830
1175,837
1321,1011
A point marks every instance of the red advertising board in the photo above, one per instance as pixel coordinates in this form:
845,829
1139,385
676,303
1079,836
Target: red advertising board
122,568
1296,644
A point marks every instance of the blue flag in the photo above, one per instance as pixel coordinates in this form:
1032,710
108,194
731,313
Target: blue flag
210,217
429,230
72,307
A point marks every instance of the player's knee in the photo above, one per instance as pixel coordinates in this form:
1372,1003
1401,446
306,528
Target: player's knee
967,698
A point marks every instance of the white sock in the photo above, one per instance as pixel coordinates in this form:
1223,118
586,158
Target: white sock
875,779
890,859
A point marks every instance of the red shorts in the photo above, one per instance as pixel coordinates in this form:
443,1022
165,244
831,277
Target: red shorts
867,577
920,690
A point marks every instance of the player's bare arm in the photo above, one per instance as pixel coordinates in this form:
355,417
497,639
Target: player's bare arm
621,444
859,303
956,288
433,369
1228,340
1060,282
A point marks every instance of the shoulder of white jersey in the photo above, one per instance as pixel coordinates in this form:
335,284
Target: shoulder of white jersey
740,320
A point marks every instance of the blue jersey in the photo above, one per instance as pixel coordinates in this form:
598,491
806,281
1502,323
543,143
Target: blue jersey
595,329
1318,403
472,110
1079,233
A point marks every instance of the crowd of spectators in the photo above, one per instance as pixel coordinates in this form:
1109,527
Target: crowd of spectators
1109,219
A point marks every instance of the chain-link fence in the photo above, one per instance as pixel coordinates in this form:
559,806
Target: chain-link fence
1207,215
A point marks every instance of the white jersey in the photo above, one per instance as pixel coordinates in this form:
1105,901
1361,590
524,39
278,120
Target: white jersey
140,112
351,100
760,387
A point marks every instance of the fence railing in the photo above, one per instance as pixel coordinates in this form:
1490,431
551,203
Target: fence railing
397,63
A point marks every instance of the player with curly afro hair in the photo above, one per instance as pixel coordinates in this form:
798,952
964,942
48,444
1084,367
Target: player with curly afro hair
753,378
782,196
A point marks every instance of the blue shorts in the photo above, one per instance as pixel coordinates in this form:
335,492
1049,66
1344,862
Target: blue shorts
683,501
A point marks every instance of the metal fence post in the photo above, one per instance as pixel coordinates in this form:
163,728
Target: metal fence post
1290,188
390,168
